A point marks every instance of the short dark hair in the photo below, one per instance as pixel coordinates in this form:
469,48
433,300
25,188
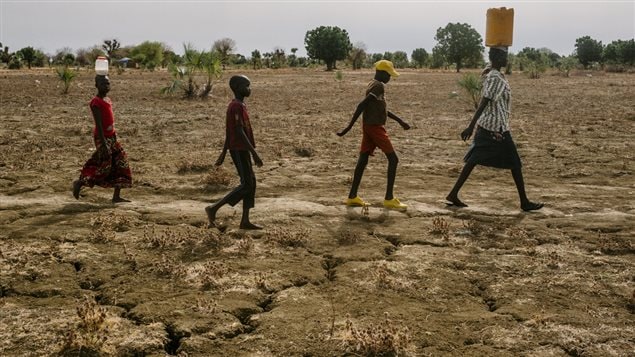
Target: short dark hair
496,54
99,78
236,81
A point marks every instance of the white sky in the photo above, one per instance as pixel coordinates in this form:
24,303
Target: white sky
264,25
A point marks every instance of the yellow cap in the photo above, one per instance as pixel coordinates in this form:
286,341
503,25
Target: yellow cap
385,65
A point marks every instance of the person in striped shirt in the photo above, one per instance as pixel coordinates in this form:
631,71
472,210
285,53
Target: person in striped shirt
493,145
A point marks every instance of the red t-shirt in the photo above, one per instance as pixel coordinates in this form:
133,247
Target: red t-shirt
107,118
237,116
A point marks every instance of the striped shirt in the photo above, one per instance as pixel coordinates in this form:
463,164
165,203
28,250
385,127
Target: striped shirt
495,117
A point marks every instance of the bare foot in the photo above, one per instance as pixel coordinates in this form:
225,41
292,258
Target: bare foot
77,186
119,200
249,225
531,206
454,201
211,215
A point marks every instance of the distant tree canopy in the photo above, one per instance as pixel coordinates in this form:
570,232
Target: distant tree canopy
329,44
420,57
225,47
357,57
588,50
110,47
458,43
148,54
620,51
28,55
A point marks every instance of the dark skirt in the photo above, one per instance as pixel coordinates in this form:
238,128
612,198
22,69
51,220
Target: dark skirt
486,150
107,170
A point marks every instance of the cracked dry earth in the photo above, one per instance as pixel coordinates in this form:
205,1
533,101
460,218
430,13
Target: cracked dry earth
148,279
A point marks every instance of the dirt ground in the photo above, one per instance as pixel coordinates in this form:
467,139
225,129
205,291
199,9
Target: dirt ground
86,277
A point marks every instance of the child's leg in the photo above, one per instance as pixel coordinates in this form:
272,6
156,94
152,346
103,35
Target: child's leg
359,171
525,204
116,197
393,160
453,196
249,199
77,186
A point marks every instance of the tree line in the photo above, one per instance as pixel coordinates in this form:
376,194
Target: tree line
458,46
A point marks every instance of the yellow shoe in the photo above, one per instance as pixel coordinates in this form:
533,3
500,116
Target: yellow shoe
395,204
357,201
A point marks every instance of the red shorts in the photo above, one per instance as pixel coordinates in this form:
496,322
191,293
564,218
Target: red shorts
375,136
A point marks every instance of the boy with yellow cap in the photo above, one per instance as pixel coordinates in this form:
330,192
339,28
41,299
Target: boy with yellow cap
374,111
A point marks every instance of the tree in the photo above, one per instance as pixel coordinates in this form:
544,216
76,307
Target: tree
64,57
327,43
5,55
457,43
620,51
256,59
419,57
293,58
588,50
400,59
148,54
357,56
279,59
110,47
87,56
225,47
28,55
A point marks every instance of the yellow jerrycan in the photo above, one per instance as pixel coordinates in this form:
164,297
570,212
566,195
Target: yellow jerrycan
499,31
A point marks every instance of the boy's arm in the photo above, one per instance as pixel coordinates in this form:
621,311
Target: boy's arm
360,109
252,150
403,124
221,157
100,130
465,134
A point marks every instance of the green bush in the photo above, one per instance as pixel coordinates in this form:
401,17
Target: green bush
66,75
471,85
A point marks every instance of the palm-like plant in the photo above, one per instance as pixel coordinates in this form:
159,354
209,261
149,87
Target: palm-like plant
211,65
184,74
471,85
66,75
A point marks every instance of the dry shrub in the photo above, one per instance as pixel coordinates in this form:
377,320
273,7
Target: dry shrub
348,237
245,245
383,339
303,150
209,274
131,259
168,267
384,279
475,227
186,166
440,227
219,176
192,238
288,238
206,306
104,226
88,336
112,221
517,233
261,282
553,260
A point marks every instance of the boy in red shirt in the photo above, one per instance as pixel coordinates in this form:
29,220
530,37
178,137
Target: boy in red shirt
108,166
374,135
239,140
